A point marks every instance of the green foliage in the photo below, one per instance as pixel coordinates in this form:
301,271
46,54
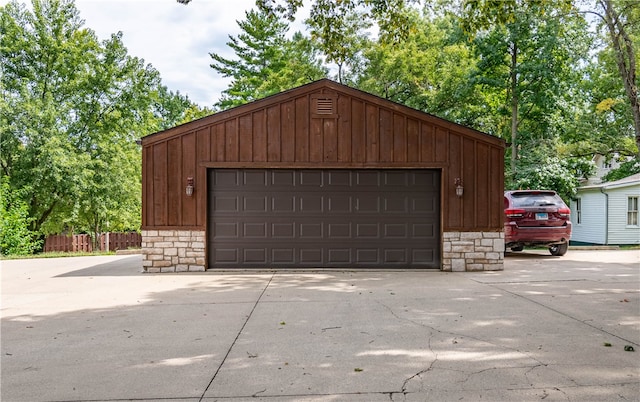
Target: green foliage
620,22
599,120
169,109
530,62
194,112
549,173
626,169
428,72
339,28
15,236
266,61
72,108
482,14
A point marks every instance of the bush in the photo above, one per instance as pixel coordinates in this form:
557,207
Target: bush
551,173
15,235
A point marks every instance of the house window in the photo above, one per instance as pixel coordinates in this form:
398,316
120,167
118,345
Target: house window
632,211
578,210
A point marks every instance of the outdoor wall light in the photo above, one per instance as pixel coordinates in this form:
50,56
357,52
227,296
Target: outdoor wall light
189,188
459,188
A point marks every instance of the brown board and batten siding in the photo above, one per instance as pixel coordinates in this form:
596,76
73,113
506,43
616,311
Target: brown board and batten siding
322,125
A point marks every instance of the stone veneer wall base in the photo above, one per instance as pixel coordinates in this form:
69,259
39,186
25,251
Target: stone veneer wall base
173,251
472,251
184,251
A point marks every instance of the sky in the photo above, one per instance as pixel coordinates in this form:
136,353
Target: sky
175,39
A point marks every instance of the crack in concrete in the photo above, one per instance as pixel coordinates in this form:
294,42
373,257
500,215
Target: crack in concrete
403,389
432,329
224,359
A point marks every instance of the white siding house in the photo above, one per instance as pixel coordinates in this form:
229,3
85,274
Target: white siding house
607,213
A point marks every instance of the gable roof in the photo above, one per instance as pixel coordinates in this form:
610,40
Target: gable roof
315,87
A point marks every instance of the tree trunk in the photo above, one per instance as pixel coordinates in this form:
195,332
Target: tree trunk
626,61
514,109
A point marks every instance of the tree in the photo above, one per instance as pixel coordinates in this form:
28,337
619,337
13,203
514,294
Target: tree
72,109
626,169
428,69
530,62
340,31
266,61
599,121
620,18
525,71
481,14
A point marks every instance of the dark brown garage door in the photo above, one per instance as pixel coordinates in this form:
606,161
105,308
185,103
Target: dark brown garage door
277,218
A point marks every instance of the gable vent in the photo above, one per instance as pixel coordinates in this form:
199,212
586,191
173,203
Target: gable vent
323,106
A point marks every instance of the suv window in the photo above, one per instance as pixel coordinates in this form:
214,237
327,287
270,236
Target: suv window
536,200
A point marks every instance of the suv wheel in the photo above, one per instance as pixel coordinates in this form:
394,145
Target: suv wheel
559,249
517,248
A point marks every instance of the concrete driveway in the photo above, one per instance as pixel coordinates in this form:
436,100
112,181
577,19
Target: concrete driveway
97,329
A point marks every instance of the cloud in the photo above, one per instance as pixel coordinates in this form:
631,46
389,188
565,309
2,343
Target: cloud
175,39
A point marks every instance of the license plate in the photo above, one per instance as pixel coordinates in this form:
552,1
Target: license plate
542,216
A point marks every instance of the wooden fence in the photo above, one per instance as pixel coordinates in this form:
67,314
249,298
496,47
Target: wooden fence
82,242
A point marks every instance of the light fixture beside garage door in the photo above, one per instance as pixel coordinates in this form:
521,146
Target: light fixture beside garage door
459,188
189,189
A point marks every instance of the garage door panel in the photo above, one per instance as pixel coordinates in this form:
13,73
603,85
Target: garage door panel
425,179
394,204
311,178
227,178
323,218
367,256
255,204
255,255
424,205
341,178
226,204
226,256
283,256
339,230
426,256
396,230
367,230
257,178
395,178
226,230
338,204
367,204
398,255
283,178
311,231
255,230
369,179
339,256
311,256
283,230
311,203
424,231
285,203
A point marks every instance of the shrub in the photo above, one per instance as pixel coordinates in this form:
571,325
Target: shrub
15,235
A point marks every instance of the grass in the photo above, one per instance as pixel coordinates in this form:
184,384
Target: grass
55,254
630,247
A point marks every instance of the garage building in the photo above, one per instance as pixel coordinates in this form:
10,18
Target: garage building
322,176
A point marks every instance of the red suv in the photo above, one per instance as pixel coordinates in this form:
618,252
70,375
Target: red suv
536,218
